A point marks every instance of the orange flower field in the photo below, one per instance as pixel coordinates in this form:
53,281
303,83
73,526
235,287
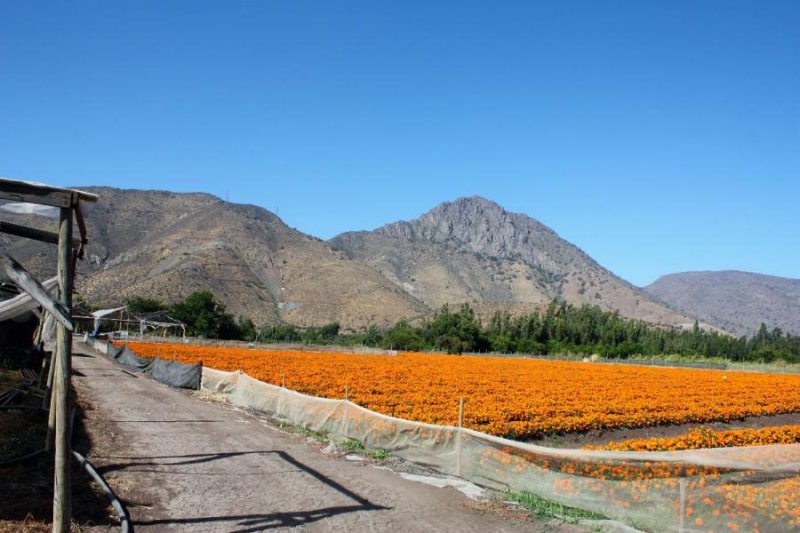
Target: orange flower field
512,397
707,438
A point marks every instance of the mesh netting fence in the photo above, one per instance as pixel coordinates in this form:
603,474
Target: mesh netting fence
727,489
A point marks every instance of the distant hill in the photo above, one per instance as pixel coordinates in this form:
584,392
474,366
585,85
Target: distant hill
166,245
474,251
737,302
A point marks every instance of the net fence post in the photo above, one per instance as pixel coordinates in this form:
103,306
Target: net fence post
344,415
682,519
459,437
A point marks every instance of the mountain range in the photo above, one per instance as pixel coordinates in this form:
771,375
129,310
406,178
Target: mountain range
166,245
737,302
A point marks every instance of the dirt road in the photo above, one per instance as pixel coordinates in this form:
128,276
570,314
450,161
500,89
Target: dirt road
183,463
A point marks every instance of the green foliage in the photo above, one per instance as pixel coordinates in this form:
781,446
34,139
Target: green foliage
205,317
310,434
455,332
356,446
372,337
326,334
279,333
586,330
351,445
545,509
143,306
560,329
247,330
403,336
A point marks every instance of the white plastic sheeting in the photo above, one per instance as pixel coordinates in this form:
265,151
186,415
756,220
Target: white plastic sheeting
24,208
101,313
730,489
23,303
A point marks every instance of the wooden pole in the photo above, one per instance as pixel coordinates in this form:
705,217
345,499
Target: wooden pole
44,370
50,441
62,489
48,388
49,402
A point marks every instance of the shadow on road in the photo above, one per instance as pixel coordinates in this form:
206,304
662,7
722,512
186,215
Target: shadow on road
176,421
249,522
260,522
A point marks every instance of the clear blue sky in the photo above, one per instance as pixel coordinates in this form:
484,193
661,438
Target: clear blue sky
658,137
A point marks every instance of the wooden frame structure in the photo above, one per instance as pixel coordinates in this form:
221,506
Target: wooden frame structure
68,203
156,321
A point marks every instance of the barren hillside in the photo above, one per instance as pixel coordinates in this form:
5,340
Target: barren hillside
166,245
472,250
735,301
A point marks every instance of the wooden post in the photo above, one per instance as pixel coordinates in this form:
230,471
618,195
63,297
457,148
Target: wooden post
50,440
48,390
345,417
44,370
62,489
49,402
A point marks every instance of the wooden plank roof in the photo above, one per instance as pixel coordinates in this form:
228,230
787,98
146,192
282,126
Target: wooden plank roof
40,193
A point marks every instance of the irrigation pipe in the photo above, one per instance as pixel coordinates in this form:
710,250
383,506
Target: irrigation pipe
125,524
124,520
23,459
20,407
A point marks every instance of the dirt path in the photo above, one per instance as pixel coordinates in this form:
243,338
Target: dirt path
182,463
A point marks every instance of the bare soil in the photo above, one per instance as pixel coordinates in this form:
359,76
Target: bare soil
183,463
601,437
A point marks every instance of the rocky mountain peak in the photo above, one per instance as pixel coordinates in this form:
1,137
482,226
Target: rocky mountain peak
477,225
473,223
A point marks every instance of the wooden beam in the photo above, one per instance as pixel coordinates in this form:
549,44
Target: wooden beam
33,233
21,192
62,484
37,193
82,231
28,283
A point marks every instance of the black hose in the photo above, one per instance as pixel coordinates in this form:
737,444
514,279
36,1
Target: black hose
23,459
124,520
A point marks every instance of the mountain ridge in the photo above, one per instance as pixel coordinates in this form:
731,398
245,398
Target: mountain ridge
735,300
165,245
472,250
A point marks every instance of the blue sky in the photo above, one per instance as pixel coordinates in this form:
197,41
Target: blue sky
657,136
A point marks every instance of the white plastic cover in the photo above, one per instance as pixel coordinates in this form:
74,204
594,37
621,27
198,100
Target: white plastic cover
23,302
24,208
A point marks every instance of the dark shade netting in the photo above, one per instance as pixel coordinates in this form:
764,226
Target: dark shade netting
170,373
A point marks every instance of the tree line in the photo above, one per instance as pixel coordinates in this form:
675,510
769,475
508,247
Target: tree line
561,328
